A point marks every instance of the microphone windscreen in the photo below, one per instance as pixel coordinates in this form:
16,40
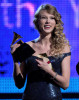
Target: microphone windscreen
77,68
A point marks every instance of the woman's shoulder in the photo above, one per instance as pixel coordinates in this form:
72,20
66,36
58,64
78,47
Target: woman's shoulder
33,42
66,49
30,43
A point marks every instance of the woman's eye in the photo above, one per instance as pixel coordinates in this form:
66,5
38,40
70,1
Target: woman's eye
52,18
43,17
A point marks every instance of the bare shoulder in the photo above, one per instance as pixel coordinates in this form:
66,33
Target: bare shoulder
66,48
30,43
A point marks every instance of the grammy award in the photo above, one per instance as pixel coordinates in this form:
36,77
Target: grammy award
23,51
15,38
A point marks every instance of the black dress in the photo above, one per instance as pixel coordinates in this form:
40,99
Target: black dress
40,85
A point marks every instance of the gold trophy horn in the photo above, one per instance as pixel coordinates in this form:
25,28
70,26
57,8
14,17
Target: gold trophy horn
16,37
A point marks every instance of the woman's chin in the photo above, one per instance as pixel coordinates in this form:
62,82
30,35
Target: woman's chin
47,32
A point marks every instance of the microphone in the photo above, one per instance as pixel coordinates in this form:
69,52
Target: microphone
77,68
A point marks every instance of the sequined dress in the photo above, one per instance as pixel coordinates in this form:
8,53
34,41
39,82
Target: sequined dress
40,85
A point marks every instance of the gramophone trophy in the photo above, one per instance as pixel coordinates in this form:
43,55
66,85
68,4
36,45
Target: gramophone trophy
23,51
15,38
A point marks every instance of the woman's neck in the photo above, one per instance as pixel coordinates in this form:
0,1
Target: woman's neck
44,40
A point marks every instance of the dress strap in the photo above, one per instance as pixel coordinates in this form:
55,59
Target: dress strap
66,54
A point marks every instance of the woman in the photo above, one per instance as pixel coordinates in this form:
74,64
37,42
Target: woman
45,76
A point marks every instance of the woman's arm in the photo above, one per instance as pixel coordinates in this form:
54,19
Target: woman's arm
19,74
61,80
19,69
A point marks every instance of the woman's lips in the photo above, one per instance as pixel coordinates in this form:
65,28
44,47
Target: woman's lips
47,27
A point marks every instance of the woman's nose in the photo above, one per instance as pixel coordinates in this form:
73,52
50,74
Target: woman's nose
47,20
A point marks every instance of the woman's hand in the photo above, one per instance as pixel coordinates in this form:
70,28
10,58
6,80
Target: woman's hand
14,47
43,64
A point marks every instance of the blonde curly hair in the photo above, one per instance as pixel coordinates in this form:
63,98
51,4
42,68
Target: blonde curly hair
58,39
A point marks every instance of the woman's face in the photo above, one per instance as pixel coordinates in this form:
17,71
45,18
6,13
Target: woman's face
46,22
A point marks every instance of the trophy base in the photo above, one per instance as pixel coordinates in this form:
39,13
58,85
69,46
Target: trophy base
23,52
